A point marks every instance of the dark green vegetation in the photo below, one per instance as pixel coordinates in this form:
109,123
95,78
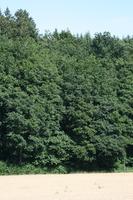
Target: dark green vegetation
66,102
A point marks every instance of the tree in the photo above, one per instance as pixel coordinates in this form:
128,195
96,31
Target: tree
65,100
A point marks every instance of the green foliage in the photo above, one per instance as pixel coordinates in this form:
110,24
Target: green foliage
109,150
6,168
66,102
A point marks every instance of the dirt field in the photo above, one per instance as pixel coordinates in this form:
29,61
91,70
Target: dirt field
67,187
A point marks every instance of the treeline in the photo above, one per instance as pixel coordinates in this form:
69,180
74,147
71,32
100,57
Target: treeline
66,101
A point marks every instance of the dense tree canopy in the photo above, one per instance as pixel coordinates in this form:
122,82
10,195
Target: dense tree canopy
65,101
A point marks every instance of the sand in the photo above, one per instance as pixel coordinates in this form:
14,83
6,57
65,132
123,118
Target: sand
98,186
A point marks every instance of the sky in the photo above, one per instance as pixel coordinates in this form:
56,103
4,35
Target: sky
79,16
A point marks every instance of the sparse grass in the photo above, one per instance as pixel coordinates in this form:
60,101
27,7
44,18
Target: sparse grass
124,169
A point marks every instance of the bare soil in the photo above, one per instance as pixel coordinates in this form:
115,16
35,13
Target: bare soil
98,186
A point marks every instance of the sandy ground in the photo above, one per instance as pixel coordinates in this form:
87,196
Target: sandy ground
110,186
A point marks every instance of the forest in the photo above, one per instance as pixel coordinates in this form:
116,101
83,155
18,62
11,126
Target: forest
66,101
